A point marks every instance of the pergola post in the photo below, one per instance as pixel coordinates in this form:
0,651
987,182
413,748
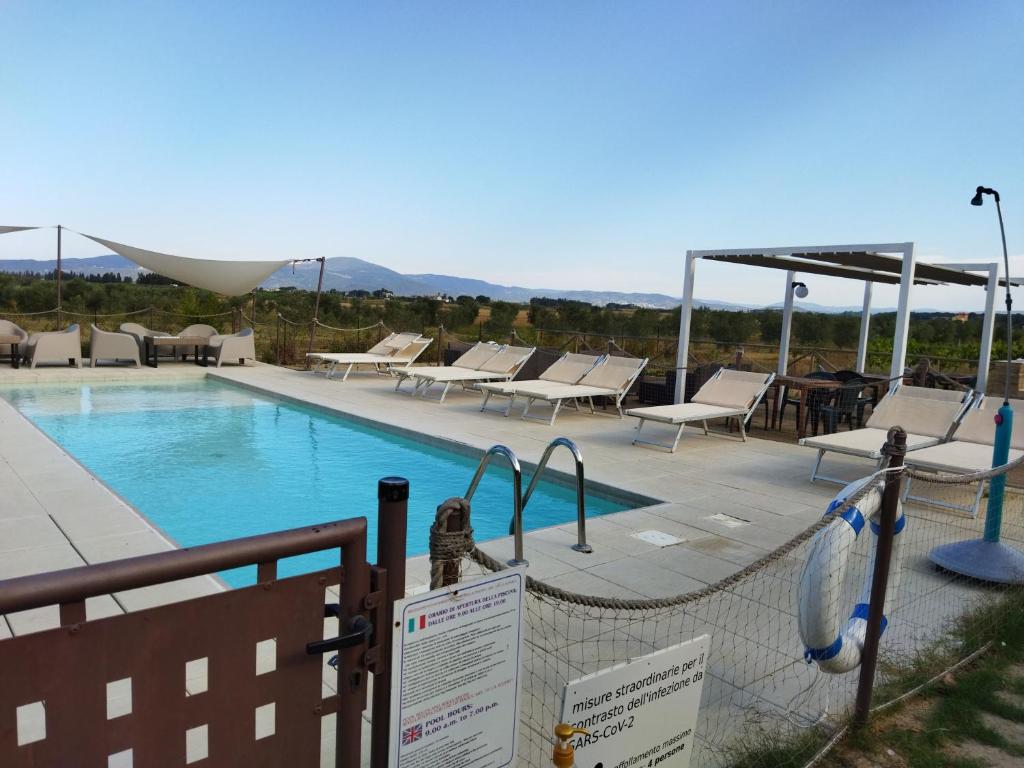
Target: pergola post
685,312
899,340
865,328
988,323
787,325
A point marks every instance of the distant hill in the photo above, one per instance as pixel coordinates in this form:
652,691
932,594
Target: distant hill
94,265
348,274
456,286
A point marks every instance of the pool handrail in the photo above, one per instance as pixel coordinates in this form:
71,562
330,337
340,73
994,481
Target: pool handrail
581,504
517,494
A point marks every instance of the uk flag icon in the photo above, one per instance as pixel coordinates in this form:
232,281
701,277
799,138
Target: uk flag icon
411,735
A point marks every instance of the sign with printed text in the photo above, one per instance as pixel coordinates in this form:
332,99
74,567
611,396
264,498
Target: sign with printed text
640,714
455,670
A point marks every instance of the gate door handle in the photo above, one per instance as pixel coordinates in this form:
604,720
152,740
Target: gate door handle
361,632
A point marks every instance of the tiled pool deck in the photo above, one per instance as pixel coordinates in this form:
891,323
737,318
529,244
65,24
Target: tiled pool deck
729,502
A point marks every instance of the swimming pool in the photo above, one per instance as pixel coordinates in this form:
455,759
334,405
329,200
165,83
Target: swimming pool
242,463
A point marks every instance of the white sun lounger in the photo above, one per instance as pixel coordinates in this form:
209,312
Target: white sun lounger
386,347
568,369
927,420
397,349
501,366
727,394
612,378
970,450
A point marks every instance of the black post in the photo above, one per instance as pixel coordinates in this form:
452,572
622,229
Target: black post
277,338
316,307
392,515
60,314
895,448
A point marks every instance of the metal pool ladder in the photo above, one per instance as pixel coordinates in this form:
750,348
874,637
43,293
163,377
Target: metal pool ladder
519,501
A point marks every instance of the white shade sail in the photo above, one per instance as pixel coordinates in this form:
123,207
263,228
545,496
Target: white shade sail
5,230
232,278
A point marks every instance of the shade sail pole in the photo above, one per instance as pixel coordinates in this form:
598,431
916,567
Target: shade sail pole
60,315
685,312
865,329
787,325
316,306
899,341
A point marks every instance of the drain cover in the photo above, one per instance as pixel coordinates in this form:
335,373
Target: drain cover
727,520
657,538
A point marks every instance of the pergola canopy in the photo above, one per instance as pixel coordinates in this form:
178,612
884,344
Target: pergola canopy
858,265
888,263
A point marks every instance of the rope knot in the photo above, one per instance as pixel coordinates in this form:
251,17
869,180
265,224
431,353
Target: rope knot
447,548
893,447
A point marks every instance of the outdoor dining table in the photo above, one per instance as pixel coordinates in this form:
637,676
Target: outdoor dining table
14,341
803,385
153,344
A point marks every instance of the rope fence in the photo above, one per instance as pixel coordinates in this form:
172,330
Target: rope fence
760,692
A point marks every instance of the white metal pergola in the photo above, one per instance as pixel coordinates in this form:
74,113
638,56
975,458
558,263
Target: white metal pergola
889,263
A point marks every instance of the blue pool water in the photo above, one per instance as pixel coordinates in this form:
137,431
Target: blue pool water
207,461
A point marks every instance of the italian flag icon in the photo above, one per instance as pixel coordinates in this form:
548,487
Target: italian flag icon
415,624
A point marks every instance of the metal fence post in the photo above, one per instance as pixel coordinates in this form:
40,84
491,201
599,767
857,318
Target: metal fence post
351,678
392,515
895,448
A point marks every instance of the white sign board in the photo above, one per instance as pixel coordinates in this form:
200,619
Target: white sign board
640,714
455,666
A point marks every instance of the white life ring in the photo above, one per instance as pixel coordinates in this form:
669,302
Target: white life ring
836,647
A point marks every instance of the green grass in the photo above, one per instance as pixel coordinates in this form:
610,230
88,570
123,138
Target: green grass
952,709
955,707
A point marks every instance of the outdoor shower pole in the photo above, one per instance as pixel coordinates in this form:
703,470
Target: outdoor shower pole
1004,418
316,306
60,315
987,558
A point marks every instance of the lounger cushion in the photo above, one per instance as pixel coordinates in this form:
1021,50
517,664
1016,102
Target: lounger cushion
477,356
507,360
732,389
451,373
516,387
569,368
400,341
613,373
381,347
865,442
683,412
978,426
566,392
352,357
915,414
930,393
956,457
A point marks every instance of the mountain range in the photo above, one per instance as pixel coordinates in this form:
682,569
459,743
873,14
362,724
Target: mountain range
344,273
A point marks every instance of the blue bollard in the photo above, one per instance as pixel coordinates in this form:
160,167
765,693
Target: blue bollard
997,485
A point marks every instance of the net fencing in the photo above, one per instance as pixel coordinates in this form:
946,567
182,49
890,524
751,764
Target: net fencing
760,692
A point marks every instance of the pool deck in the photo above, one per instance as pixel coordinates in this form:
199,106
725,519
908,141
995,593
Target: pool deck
727,502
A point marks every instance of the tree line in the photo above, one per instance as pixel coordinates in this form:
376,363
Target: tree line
939,334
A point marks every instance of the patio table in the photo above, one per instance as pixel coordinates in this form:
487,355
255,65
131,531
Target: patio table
14,341
803,384
153,344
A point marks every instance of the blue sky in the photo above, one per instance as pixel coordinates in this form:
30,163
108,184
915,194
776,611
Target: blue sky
572,145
